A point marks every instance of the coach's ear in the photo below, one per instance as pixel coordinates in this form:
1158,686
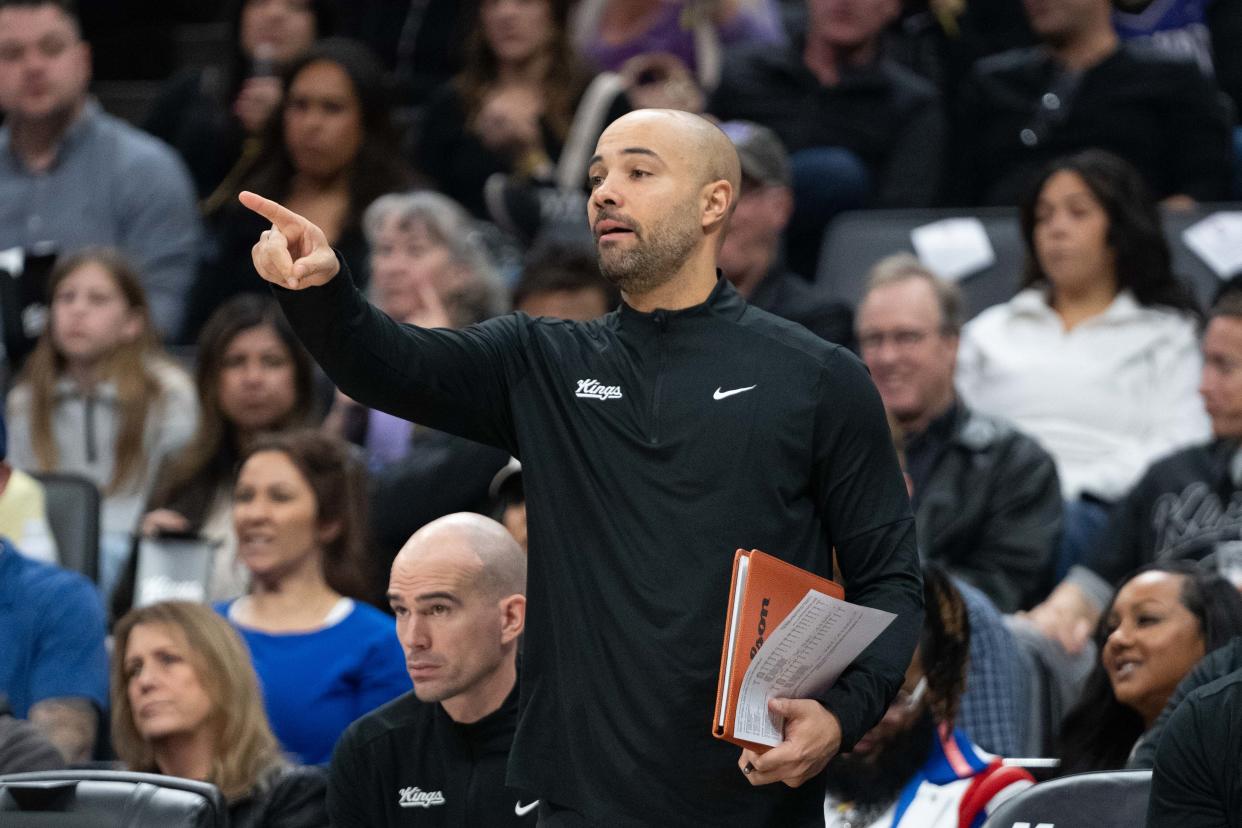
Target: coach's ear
512,617
717,201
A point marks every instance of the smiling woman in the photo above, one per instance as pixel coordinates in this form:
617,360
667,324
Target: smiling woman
186,702
1163,618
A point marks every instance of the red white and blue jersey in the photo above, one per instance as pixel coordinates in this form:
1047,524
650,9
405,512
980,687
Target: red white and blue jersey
958,787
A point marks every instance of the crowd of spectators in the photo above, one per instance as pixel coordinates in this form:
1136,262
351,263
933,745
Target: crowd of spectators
1072,454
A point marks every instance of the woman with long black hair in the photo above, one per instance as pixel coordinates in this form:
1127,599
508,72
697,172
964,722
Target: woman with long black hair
1162,620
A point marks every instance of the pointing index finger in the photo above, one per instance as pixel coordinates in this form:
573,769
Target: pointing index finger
269,209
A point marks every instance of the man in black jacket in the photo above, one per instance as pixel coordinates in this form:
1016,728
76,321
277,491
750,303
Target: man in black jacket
655,441
439,752
1080,88
986,498
1195,782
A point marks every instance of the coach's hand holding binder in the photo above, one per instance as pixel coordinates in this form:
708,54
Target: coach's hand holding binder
788,635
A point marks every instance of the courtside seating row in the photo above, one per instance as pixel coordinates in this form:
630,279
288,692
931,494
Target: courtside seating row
119,799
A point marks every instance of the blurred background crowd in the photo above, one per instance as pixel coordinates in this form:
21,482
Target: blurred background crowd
1071,451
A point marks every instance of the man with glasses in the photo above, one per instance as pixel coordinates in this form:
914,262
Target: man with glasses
986,498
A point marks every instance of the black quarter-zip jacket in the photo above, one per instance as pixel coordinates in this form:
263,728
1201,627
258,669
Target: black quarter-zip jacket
653,446
409,763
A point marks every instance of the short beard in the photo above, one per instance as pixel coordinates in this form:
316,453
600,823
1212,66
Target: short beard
654,260
878,779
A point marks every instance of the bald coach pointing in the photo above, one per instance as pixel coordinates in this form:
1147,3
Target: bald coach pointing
655,441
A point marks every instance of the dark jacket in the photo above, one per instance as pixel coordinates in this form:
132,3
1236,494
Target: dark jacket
1182,506
1195,782
1215,665
1020,110
990,510
889,117
292,797
643,475
408,763
791,297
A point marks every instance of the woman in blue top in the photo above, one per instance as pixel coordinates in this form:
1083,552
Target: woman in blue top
323,658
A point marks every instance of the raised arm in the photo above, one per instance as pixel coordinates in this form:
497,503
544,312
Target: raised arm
452,380
295,253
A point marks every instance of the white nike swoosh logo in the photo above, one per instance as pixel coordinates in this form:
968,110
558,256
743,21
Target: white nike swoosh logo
720,395
523,810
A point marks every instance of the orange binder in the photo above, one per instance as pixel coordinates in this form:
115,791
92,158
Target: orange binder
763,591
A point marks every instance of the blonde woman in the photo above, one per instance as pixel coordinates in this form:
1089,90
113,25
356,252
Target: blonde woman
186,702
98,397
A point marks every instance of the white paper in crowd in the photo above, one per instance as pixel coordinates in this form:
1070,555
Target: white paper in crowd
173,570
953,248
12,260
802,658
1217,240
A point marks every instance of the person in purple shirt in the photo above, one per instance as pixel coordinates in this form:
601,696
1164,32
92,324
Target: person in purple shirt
323,658
614,31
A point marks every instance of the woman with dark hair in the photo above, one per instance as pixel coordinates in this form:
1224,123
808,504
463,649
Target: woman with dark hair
186,702
214,116
1163,618
299,512
510,109
332,151
1097,356
253,376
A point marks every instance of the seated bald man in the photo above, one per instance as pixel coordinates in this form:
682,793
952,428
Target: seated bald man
654,441
437,755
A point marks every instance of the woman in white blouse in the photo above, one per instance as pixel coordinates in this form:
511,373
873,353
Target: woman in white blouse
1097,357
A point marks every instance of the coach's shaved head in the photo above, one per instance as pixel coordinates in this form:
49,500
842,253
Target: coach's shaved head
457,589
663,185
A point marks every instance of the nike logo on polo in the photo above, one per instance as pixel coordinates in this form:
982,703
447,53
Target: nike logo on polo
720,395
523,810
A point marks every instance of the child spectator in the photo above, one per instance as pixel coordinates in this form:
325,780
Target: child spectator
98,397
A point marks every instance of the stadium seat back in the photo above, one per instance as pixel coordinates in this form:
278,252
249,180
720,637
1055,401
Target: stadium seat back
73,504
108,799
1103,799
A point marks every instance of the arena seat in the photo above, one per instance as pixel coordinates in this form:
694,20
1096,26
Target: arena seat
1103,799
108,799
73,504
856,240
